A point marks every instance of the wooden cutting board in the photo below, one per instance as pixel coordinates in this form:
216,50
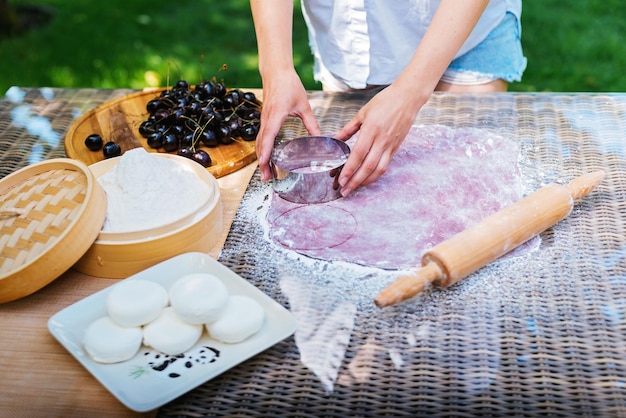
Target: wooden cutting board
118,120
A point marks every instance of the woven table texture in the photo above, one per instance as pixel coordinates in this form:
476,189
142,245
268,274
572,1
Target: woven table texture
34,121
539,335
544,335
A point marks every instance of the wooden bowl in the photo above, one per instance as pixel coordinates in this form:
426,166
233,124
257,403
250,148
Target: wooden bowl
51,213
121,254
118,120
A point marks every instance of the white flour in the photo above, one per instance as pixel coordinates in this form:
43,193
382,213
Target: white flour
145,191
334,305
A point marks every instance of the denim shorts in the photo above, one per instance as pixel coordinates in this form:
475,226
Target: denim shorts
499,56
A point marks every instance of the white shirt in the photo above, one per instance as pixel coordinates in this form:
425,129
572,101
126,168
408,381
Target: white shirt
370,42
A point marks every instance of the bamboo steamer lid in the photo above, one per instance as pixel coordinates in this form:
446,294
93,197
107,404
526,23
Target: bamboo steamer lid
50,214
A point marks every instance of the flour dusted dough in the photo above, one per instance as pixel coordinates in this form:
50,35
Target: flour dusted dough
169,334
198,298
132,303
241,318
441,181
108,342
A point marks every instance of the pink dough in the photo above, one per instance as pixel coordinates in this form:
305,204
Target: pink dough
441,181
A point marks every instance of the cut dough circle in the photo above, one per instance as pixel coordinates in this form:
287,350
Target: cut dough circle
242,317
108,342
133,303
309,228
198,298
169,334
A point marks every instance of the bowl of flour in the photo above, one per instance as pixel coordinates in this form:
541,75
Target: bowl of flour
158,206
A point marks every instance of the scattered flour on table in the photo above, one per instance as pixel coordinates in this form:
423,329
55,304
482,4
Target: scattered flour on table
146,191
324,296
333,303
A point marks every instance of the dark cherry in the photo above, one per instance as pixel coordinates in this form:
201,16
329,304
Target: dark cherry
183,101
180,114
154,105
249,131
232,99
209,139
202,157
217,118
186,152
207,88
161,115
194,108
178,130
197,95
207,114
155,140
187,141
216,102
224,134
94,142
235,124
146,128
252,114
111,149
170,143
219,90
250,97
182,85
242,110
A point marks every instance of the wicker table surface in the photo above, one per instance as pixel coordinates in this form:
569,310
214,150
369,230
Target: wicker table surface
541,336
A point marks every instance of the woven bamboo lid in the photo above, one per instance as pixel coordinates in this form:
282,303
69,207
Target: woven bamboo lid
50,214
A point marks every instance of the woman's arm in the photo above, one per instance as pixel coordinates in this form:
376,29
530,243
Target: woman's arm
273,26
283,92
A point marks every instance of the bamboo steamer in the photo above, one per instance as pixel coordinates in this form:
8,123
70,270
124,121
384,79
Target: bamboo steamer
51,217
122,254
50,213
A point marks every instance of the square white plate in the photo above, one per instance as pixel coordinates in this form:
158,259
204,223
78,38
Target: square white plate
151,379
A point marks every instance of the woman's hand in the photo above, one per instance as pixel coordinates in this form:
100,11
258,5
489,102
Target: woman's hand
382,123
283,96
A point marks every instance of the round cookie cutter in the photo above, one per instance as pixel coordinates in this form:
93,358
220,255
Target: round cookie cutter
306,169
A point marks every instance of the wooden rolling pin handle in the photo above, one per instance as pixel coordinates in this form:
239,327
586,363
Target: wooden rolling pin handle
583,185
469,250
410,285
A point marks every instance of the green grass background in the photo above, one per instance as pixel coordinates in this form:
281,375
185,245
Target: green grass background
578,45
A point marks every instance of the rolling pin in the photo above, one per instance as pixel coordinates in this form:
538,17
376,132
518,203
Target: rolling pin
469,250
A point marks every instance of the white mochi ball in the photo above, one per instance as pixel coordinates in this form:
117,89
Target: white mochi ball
108,342
133,303
169,334
241,318
198,298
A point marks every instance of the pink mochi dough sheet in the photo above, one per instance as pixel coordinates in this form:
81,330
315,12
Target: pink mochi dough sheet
441,181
